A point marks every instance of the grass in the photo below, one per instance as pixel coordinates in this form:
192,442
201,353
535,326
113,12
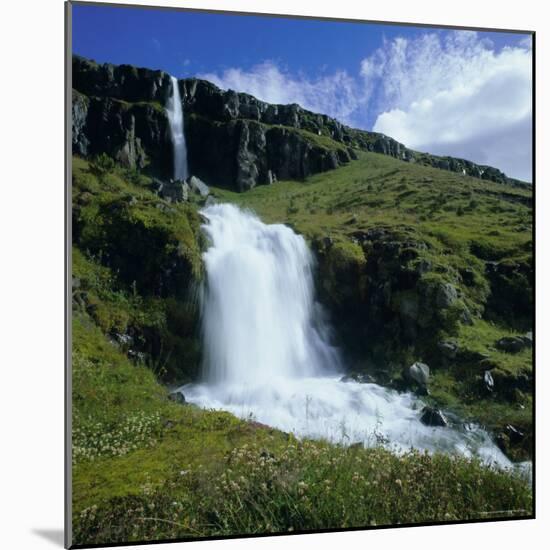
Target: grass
147,468
379,190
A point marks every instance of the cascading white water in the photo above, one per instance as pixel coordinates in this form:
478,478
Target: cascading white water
268,353
174,111
258,314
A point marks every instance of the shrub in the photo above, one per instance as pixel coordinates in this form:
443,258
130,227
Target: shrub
102,164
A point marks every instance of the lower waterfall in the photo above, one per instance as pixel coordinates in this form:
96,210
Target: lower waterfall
268,353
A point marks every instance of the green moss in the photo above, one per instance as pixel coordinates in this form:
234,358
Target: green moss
323,141
137,264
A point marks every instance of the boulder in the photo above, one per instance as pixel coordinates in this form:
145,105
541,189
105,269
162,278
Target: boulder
528,339
172,191
419,373
177,396
352,154
511,440
514,434
448,349
198,186
511,344
446,295
430,416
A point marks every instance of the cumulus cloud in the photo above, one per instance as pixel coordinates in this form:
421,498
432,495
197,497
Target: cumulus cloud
456,96
337,94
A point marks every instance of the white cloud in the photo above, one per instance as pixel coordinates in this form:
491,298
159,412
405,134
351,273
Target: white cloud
526,42
337,94
455,96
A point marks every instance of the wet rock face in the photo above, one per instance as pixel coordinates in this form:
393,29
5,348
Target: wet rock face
431,416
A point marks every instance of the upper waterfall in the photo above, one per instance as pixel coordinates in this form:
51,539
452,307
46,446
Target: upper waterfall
174,110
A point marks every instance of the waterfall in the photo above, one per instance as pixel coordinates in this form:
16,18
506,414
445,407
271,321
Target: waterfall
259,314
174,110
268,354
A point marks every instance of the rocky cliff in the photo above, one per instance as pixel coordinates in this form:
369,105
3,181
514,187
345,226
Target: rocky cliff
234,140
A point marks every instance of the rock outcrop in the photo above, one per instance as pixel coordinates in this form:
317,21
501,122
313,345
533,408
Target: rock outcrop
234,139
433,417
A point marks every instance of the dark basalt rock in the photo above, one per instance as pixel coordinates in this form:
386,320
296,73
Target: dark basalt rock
172,191
431,416
507,384
177,397
511,287
80,106
233,138
448,349
513,442
513,344
119,81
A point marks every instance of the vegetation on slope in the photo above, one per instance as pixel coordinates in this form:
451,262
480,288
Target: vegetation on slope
145,467
137,267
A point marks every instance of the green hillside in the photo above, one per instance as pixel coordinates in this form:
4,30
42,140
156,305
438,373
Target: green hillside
389,238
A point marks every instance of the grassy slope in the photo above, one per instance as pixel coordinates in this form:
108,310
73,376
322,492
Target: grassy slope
146,468
380,190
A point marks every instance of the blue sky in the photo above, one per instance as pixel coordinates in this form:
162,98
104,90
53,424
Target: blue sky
447,92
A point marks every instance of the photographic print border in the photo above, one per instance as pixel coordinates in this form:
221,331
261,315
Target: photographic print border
68,264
